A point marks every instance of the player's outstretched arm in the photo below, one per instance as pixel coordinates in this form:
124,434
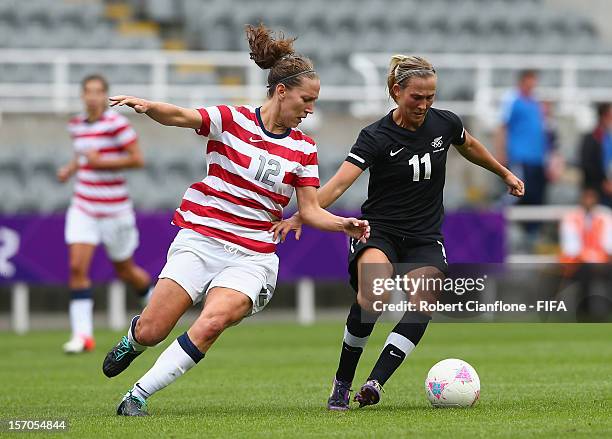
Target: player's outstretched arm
166,114
65,172
327,195
313,215
132,159
344,177
476,153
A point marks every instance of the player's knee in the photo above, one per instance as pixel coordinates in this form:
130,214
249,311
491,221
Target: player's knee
211,327
365,303
77,270
124,272
215,326
149,333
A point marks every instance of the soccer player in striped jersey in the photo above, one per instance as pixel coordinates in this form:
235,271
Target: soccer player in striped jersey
257,159
405,152
100,210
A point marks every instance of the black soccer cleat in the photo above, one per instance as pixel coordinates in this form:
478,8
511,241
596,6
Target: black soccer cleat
131,405
119,358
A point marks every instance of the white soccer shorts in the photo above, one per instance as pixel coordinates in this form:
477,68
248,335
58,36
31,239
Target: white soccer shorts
118,233
198,263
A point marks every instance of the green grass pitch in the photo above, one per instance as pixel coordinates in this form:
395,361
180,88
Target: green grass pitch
272,380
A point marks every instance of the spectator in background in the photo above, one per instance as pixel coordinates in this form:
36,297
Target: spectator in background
596,156
585,236
522,142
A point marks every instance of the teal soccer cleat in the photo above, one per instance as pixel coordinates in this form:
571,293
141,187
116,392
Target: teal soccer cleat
131,405
119,358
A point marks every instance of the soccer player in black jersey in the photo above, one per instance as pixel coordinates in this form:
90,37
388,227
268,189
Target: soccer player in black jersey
405,152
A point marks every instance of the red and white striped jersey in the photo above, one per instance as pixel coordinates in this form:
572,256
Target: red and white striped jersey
252,174
101,192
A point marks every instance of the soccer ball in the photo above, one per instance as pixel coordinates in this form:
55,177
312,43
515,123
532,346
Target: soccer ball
452,383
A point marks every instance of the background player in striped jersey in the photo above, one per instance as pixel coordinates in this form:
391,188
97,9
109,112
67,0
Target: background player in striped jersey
405,152
224,251
100,210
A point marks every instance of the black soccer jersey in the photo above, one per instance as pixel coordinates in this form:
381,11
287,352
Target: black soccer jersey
407,172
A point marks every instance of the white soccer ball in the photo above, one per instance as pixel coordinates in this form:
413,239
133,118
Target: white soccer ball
452,383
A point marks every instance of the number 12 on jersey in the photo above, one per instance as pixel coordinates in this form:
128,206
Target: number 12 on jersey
416,168
274,168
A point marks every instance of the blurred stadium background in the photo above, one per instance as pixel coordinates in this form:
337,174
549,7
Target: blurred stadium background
193,53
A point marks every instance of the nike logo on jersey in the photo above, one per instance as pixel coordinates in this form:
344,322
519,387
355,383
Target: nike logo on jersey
252,139
394,153
394,354
437,142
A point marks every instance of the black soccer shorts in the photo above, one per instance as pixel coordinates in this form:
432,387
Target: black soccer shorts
415,252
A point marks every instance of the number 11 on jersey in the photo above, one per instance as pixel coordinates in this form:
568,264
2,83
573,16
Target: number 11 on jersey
416,168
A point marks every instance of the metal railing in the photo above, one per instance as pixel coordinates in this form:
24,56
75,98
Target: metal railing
522,214
58,93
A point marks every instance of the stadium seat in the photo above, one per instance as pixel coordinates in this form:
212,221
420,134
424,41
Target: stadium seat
11,190
404,39
162,11
7,11
218,36
11,167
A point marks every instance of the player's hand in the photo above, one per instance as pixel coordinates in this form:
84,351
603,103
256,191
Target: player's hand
357,229
64,173
139,105
94,159
283,227
515,186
